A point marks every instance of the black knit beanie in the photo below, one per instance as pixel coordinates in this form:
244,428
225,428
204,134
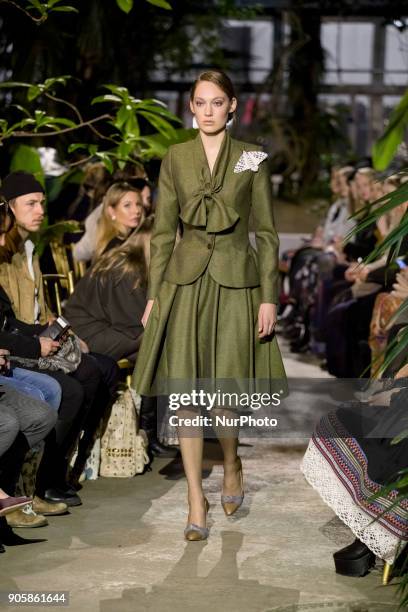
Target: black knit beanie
19,183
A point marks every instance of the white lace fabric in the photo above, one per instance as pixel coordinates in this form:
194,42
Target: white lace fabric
321,477
250,160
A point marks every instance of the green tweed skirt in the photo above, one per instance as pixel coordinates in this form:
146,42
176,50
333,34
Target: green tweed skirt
205,332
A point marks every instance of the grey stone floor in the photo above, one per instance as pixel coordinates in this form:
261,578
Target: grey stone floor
123,550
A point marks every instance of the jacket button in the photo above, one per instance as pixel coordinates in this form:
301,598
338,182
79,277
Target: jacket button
209,246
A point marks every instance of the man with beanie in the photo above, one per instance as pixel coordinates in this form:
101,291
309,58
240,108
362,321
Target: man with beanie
22,282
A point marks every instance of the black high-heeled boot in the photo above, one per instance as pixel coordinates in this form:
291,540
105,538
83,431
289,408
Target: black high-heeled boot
354,560
9,538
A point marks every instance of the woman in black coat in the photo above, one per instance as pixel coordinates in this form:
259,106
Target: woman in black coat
107,305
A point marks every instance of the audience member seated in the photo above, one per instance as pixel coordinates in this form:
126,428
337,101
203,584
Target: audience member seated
121,210
325,318
144,186
107,305
315,262
96,180
350,458
350,315
24,422
18,342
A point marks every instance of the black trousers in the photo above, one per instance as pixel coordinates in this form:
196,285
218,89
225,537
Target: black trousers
11,463
79,390
97,409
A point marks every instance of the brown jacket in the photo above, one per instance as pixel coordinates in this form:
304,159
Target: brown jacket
16,281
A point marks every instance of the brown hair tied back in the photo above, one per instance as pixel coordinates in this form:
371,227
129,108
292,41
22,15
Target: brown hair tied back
219,78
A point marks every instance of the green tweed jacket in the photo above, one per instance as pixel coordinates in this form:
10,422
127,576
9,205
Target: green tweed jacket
214,211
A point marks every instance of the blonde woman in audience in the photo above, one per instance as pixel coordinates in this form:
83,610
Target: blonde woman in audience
108,302
122,212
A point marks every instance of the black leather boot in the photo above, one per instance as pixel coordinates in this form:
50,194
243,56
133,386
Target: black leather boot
9,538
354,560
148,422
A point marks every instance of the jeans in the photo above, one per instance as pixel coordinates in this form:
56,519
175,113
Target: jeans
34,384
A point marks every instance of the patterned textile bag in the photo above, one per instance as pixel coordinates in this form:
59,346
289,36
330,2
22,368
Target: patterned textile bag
124,445
91,467
386,305
93,462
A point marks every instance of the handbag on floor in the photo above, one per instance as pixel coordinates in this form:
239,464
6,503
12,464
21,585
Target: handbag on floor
124,445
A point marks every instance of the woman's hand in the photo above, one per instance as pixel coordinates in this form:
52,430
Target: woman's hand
266,319
400,288
83,345
146,313
4,363
352,272
48,346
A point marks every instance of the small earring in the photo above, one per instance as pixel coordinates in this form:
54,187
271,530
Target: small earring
230,122
113,218
195,124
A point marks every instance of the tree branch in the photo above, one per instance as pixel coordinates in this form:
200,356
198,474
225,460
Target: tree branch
71,106
78,114
21,134
81,161
37,20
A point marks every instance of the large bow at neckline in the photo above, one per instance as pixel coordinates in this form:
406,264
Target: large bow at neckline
207,209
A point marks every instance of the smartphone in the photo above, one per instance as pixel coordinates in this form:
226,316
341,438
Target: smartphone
401,263
57,329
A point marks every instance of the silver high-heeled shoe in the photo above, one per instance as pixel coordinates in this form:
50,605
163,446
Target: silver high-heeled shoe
195,533
231,503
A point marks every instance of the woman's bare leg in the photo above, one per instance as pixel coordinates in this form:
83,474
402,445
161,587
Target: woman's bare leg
228,439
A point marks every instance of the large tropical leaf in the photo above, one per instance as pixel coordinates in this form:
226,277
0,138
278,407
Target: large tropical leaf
393,239
372,212
385,148
161,4
125,5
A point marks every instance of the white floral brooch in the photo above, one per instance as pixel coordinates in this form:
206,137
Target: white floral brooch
250,160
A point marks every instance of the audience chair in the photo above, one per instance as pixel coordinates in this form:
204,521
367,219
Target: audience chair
56,288
65,262
386,573
128,366
388,567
